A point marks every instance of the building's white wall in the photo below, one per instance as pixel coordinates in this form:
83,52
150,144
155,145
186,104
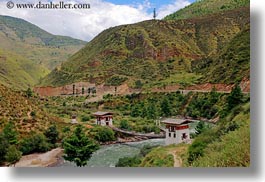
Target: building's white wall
180,132
178,139
102,122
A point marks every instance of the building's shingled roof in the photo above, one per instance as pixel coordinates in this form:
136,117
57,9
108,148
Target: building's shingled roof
100,113
176,121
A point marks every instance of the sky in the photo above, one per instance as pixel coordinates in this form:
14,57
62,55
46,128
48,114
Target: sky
85,24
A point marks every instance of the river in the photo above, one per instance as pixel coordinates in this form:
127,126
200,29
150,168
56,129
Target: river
109,155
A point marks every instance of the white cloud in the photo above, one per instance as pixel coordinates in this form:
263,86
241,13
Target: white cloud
86,24
171,8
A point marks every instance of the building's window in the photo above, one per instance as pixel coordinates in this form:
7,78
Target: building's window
171,128
169,134
107,118
174,135
184,136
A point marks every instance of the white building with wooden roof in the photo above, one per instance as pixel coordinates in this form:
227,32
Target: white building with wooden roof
104,118
177,131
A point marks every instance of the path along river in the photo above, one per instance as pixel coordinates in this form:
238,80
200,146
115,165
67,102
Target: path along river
109,155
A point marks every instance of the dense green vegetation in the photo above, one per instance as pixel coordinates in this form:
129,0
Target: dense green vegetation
227,144
153,53
207,7
102,134
151,106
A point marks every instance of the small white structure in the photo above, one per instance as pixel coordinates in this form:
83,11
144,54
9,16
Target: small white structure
177,131
74,119
104,118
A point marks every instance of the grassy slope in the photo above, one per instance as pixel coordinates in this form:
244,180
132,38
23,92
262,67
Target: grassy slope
15,107
151,51
17,72
232,65
206,7
33,43
233,148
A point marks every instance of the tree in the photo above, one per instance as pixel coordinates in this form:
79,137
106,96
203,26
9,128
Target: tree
235,97
10,133
151,111
13,155
79,148
3,147
52,134
29,93
125,125
165,107
138,84
135,111
104,134
35,143
214,95
200,128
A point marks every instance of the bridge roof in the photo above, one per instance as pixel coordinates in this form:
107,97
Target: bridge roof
176,121
100,113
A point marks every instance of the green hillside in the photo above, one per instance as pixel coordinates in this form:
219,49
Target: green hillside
152,53
232,65
226,145
19,73
206,7
35,44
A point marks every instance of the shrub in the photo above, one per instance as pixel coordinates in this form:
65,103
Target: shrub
116,80
35,143
85,118
146,149
13,155
104,134
3,147
129,162
10,133
33,113
52,134
124,125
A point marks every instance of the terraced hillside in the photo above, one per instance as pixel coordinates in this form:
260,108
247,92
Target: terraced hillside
152,53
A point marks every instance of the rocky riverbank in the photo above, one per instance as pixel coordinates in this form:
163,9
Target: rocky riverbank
47,159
